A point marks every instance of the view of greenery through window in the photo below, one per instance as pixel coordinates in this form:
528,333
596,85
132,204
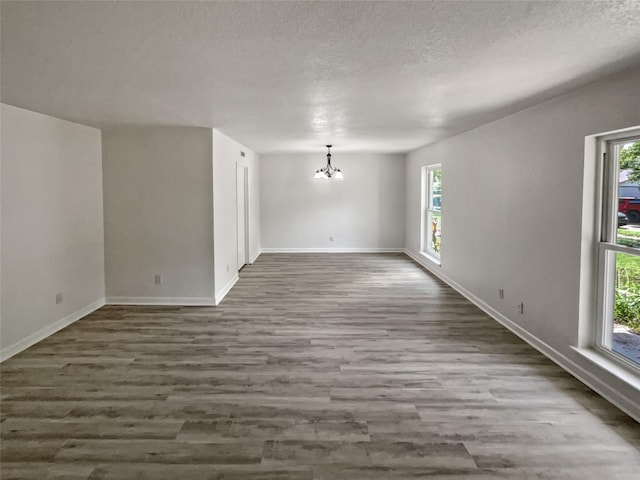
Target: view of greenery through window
626,314
431,234
435,207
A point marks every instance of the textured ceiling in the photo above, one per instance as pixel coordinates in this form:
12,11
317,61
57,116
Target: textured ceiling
292,76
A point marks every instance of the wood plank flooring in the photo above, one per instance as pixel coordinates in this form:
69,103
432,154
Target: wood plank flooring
315,366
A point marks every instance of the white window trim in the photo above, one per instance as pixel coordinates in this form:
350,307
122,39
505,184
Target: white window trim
606,228
425,210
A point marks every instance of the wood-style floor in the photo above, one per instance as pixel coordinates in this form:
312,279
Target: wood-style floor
315,366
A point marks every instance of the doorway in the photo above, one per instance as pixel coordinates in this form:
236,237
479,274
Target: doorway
242,193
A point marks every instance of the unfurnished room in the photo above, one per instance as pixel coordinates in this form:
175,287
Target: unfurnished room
320,240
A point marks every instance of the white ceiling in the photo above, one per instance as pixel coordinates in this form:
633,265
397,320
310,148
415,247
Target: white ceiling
292,76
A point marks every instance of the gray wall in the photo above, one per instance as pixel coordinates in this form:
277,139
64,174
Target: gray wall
52,230
363,211
158,214
512,213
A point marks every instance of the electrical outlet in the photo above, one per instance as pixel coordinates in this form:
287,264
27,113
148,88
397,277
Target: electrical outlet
331,239
521,308
501,294
158,279
59,298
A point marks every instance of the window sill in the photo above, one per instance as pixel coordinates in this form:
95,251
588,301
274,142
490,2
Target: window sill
628,375
431,258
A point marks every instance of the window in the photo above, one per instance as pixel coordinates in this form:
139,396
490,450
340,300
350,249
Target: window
618,327
431,236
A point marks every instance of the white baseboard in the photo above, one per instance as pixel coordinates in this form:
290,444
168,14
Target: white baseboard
255,257
624,403
177,301
222,293
333,250
43,333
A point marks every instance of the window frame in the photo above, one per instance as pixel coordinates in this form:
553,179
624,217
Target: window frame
428,210
606,244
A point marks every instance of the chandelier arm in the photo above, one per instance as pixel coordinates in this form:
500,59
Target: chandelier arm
328,171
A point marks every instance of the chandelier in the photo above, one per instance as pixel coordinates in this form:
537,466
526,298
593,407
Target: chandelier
328,171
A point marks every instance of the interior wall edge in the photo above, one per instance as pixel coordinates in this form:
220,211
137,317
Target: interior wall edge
226,289
177,301
49,330
255,256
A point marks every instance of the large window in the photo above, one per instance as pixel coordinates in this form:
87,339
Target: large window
618,332
431,236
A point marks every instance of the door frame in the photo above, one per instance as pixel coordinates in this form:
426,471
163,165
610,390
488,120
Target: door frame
242,175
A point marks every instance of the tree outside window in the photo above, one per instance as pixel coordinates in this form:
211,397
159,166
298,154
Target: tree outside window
432,210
